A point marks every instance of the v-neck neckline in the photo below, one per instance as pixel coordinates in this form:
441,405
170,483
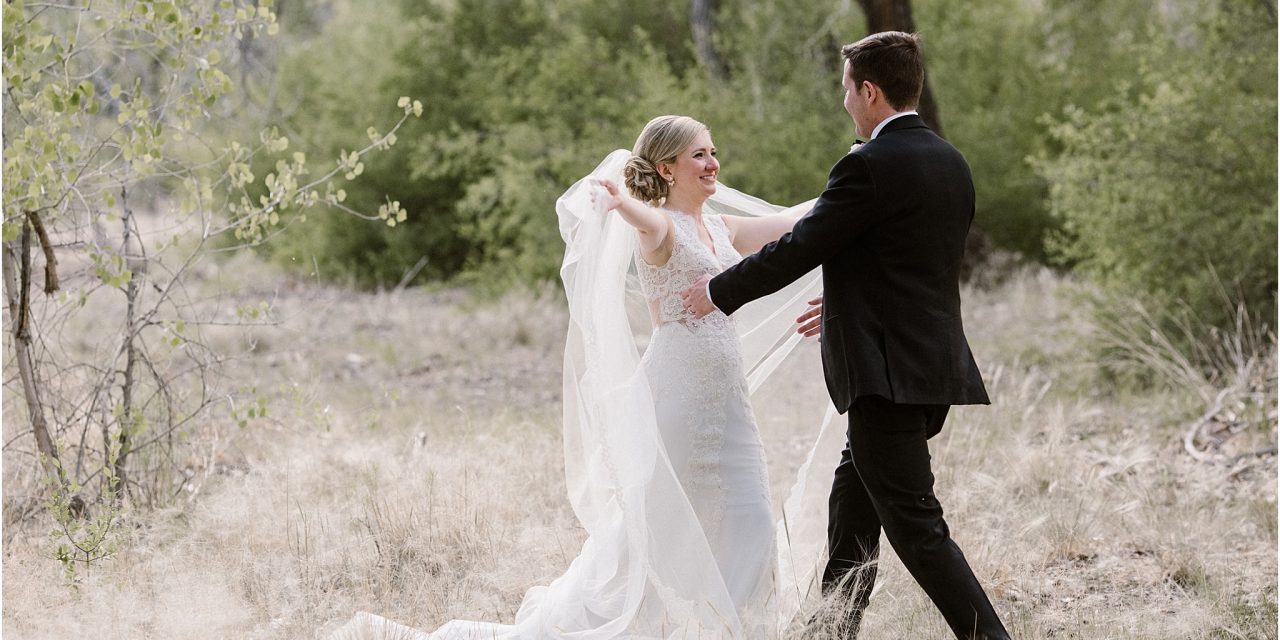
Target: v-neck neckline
712,247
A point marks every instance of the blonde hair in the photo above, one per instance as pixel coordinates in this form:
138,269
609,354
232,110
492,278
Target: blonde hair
659,143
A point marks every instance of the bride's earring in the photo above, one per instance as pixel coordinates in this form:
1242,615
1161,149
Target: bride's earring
671,182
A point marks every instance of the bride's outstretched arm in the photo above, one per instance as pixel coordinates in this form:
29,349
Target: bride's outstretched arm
652,224
750,234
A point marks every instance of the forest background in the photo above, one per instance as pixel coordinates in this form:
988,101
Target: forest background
243,235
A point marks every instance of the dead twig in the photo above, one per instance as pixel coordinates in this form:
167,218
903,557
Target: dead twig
1193,431
50,260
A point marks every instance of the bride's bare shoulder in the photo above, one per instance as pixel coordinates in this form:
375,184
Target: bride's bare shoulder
659,254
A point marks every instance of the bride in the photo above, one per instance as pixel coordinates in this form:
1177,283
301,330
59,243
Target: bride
663,459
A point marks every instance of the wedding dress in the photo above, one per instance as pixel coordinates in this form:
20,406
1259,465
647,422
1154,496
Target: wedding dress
663,458
704,419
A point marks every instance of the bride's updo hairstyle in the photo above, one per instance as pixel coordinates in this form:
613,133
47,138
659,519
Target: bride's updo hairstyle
660,142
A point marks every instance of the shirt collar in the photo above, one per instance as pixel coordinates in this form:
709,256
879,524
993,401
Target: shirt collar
891,118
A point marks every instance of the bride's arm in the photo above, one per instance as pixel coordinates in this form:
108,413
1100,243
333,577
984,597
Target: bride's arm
749,234
652,224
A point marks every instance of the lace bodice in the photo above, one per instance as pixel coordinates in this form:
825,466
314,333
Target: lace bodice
690,260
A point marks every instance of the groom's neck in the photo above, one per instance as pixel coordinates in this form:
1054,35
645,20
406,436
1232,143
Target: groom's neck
888,114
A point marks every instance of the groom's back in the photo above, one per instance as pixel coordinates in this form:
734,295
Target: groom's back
920,246
898,283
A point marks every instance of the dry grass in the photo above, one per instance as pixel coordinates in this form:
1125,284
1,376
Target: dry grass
413,468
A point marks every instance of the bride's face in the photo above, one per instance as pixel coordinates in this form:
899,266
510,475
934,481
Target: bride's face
696,168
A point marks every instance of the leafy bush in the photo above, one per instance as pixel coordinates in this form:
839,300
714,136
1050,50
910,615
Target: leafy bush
523,97
1167,193
518,108
513,115
998,67
115,168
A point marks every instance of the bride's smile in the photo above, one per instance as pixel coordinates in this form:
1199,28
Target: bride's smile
695,170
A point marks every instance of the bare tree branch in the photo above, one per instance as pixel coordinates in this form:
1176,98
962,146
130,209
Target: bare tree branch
50,260
18,311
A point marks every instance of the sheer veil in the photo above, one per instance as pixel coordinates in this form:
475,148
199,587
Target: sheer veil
646,552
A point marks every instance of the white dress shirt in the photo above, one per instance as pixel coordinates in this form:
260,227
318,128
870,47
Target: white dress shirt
875,132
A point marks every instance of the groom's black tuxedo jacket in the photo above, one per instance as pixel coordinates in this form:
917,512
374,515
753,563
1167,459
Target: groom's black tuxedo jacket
889,232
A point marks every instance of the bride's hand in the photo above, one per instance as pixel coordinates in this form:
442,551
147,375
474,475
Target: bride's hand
611,198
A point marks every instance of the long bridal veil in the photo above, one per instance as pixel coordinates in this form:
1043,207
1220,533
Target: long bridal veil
646,569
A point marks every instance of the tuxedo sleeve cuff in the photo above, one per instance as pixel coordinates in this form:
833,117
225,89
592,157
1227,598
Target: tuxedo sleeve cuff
724,303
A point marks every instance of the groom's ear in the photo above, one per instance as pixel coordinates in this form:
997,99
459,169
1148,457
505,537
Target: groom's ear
870,90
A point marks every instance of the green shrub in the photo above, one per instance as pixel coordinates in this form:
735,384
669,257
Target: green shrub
518,108
1167,193
997,67
523,97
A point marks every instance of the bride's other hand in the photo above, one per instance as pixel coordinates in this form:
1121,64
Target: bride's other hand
811,320
610,198
652,224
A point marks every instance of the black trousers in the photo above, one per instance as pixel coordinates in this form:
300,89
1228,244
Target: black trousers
884,482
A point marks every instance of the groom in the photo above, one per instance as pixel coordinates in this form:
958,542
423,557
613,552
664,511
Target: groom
889,232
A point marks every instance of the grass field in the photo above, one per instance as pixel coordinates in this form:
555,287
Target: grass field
411,466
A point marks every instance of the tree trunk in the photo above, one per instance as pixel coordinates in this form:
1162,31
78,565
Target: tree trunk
17,280
895,15
127,418
702,24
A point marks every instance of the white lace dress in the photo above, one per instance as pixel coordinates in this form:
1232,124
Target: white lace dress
663,461
694,368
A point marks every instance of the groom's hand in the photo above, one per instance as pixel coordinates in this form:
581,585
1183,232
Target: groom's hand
811,320
697,299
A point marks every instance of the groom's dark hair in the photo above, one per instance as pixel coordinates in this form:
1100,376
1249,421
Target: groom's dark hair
890,60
